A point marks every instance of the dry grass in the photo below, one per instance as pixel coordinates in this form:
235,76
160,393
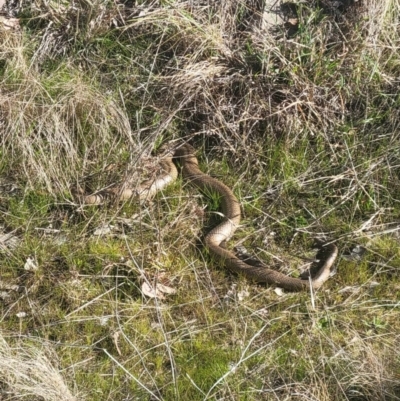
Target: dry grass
303,125
30,373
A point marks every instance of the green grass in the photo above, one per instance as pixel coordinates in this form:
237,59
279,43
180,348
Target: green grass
304,129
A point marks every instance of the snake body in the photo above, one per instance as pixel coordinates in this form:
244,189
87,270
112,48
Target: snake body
230,208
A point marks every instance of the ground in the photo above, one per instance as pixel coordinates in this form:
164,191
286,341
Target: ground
299,117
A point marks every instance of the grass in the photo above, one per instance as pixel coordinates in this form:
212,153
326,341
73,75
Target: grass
302,125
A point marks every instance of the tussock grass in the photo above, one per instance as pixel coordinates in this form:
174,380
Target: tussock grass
30,373
300,120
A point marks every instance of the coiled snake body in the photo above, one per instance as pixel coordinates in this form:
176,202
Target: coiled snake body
230,208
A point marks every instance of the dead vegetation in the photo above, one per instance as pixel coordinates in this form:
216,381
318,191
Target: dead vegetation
301,119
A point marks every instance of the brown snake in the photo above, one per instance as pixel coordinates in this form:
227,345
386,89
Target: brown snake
230,208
